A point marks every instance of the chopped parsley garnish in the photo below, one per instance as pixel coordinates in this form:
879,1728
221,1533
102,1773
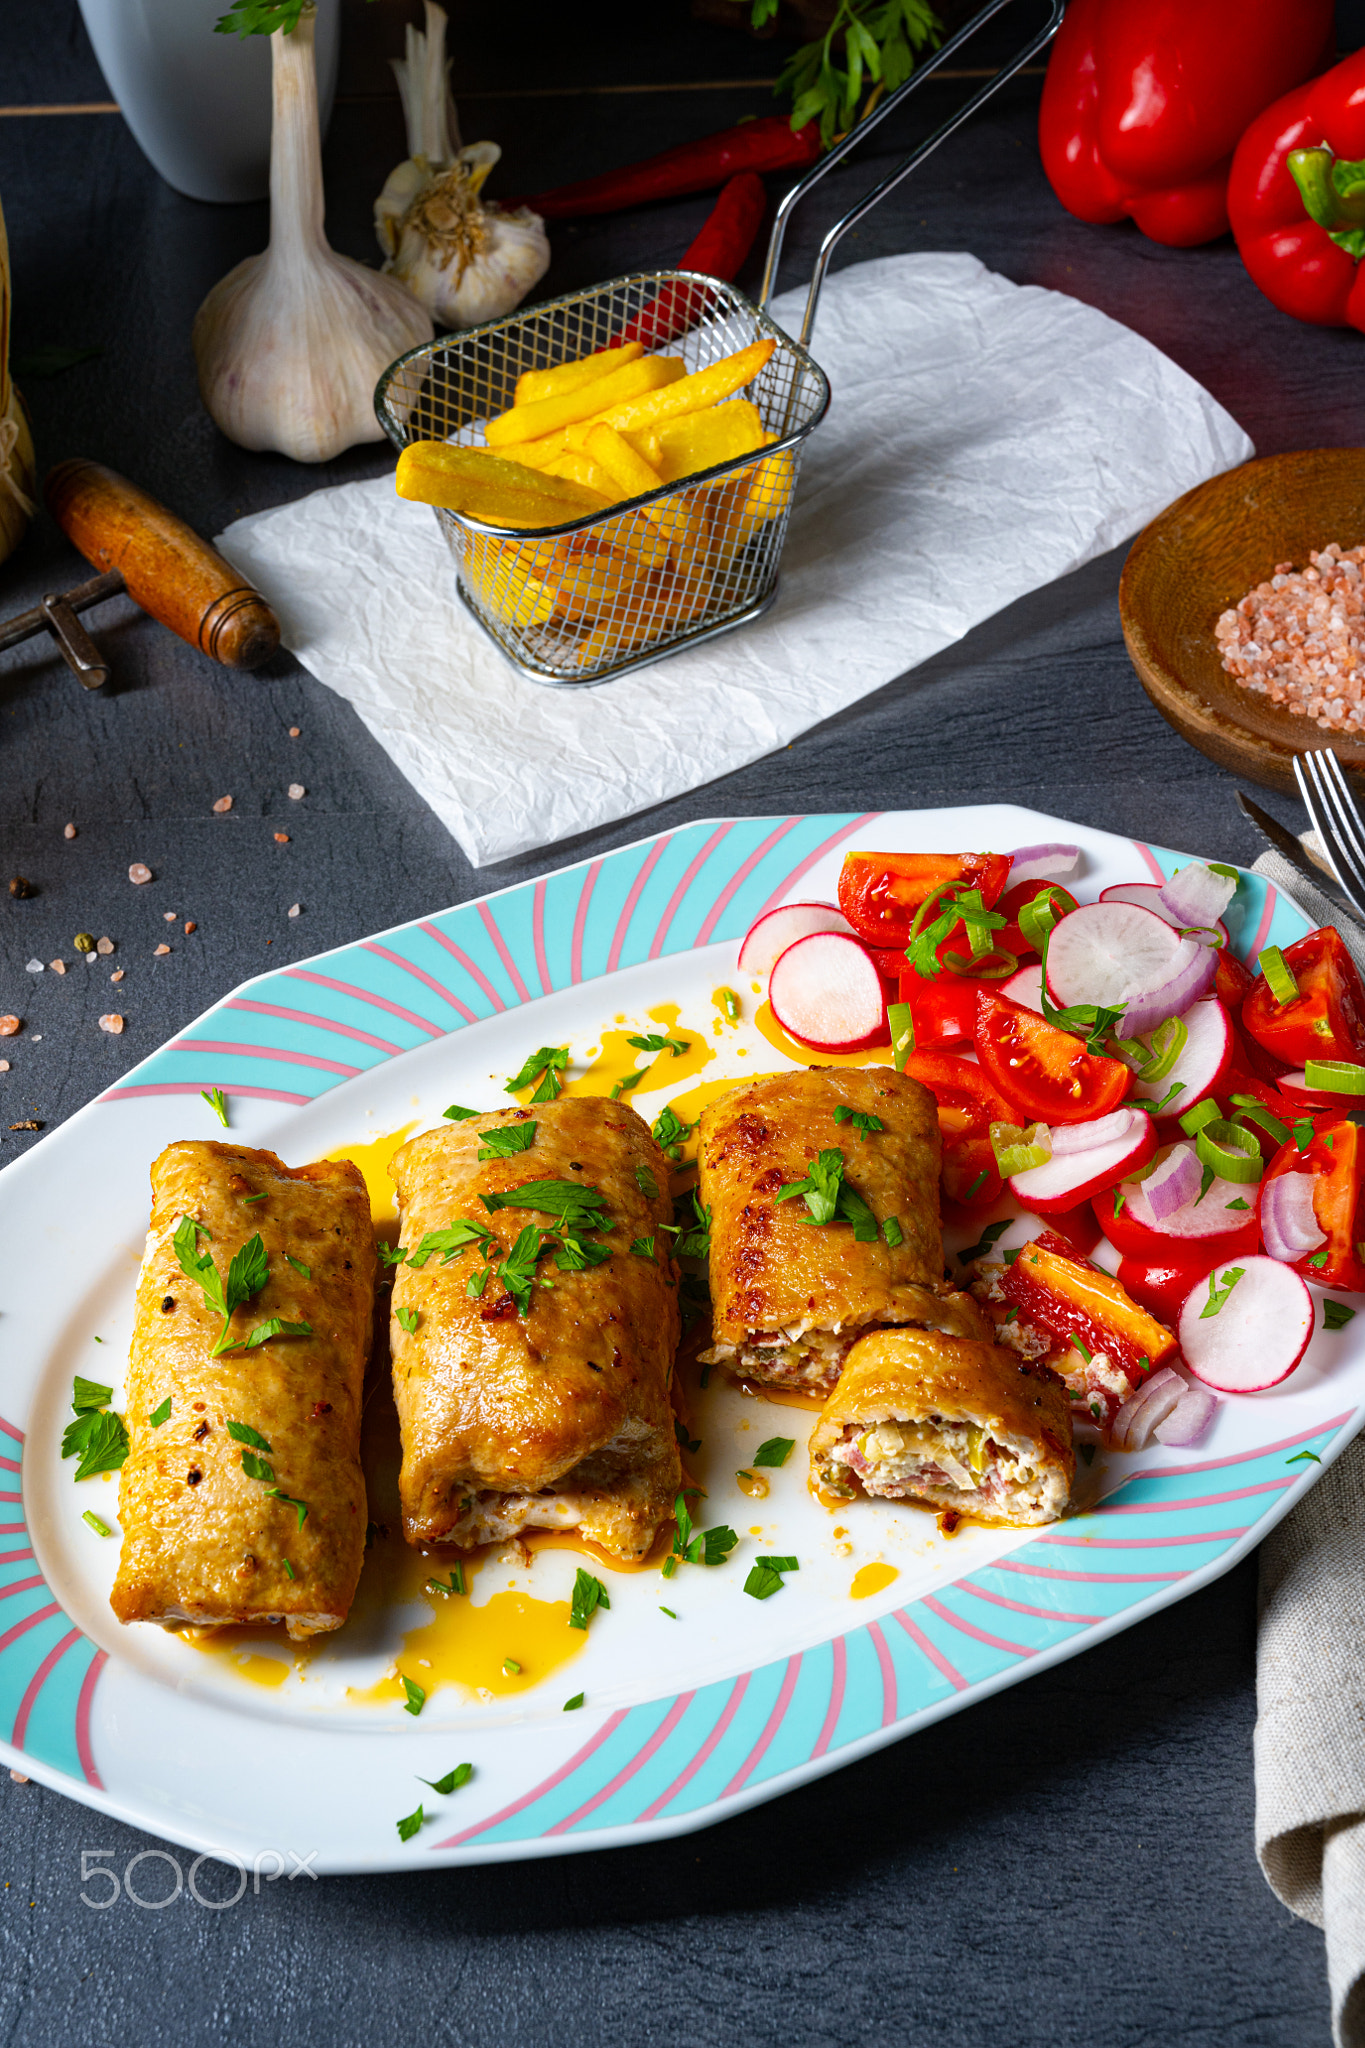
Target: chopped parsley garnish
452,1780
274,1493
956,906
549,1061
860,1119
1300,1457
1336,1315
276,1326
476,1283
765,1576
669,1612
450,1242
1218,1295
455,1584
643,1248
646,1183
257,1468
517,1270
573,1204
1240,1203
1318,1259
985,1243
892,1232
408,1826
406,1319
694,1242
511,1668
217,1102
507,1140
247,1274
1303,1133
575,1254
775,1451
100,1528
684,1441
710,1548
669,1130
460,1115
99,1440
588,1595
654,1041
627,1082
829,1198
299,1266
243,1433
415,1695
575,1702
389,1254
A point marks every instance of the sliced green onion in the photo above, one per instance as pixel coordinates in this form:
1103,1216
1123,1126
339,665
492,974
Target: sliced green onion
1039,915
994,965
1194,1120
1153,1057
1253,1110
1229,1151
1279,976
1017,1148
902,1033
1335,1077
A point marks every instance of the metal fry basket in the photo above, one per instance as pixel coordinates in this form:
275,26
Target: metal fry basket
601,595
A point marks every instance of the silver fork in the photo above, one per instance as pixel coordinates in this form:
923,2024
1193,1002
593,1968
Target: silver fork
1336,819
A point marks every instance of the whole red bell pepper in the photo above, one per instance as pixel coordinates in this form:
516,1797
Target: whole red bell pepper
1145,101
1297,198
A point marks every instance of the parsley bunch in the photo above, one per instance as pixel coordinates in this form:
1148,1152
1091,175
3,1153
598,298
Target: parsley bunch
881,41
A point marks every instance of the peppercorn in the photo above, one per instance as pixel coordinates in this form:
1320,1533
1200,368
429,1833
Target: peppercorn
20,885
84,942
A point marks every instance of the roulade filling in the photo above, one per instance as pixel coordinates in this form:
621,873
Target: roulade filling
953,1464
811,1356
604,1496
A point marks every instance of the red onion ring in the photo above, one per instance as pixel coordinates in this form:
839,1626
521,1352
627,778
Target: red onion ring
1104,1130
1289,1227
1051,862
1175,1181
1196,896
1154,1400
1189,1418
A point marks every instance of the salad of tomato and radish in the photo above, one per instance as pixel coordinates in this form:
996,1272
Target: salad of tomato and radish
1119,1072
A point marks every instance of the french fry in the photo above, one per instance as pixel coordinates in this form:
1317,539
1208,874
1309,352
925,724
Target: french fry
538,454
646,443
485,487
744,503
594,580
622,463
699,440
533,385
682,394
624,386
577,467
507,586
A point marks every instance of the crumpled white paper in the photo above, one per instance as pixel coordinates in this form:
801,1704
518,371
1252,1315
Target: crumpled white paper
984,438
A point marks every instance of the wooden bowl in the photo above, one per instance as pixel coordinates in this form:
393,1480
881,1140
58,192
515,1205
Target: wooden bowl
1201,556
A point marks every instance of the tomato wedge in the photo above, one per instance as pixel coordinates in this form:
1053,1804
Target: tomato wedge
1326,1020
879,893
1336,1155
967,1107
1234,980
1047,1074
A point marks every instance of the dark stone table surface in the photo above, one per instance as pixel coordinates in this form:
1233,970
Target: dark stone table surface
1070,1863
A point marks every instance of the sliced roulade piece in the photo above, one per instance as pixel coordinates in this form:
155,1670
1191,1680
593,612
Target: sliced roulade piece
535,1322
242,1497
823,1190
958,1424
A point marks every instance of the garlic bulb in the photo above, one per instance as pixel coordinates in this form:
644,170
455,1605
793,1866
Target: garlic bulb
466,260
291,344
18,475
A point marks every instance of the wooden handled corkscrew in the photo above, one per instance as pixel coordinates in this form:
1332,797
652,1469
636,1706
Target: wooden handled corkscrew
162,564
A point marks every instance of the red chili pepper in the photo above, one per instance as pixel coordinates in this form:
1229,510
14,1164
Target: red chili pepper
726,238
1145,100
766,145
1297,198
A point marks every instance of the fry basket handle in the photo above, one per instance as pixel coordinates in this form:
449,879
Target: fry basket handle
923,72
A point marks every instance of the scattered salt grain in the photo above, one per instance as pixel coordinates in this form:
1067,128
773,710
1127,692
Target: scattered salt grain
139,872
4,1066
160,950
296,790
35,967
190,925
293,910
224,803
57,966
294,732
104,945
68,831
118,974
112,1022
170,916
9,1026
281,839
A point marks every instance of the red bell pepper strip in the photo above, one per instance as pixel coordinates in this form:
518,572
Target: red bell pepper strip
1068,1298
1161,1288
1326,1020
1336,1156
1297,198
879,893
943,1012
765,145
720,250
1145,100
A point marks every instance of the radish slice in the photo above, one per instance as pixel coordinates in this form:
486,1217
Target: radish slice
1117,953
826,992
1174,1183
1294,1086
1289,1224
1208,1217
1196,896
1189,1419
1154,1400
1202,1065
1051,862
1026,987
1084,1170
1259,1333
1148,896
770,934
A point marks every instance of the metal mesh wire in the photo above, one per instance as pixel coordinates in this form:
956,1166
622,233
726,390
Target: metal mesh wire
577,603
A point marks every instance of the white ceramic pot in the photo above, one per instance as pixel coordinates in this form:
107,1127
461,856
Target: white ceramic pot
199,103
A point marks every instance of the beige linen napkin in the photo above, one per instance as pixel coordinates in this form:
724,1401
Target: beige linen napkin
1310,1676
